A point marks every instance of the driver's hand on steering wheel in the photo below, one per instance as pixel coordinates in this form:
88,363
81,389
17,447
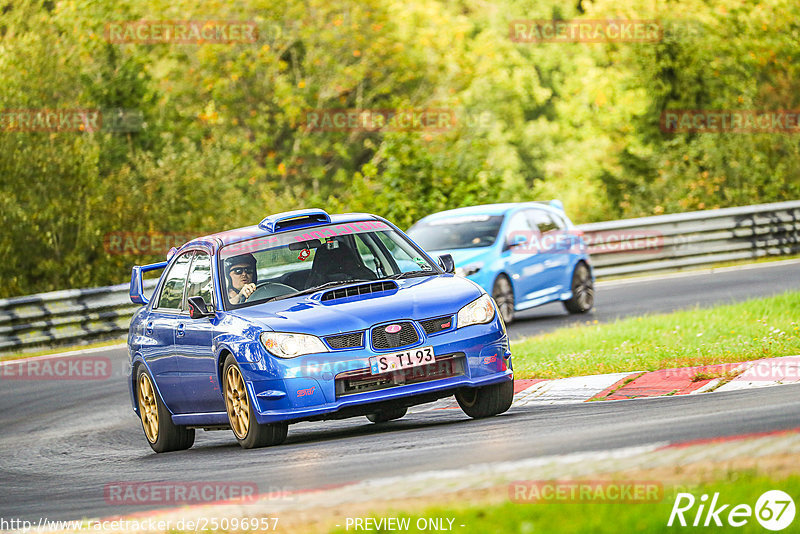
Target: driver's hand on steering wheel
246,291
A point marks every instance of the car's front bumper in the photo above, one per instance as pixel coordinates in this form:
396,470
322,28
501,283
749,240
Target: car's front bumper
308,390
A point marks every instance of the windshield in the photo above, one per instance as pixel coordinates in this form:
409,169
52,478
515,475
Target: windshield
466,231
302,261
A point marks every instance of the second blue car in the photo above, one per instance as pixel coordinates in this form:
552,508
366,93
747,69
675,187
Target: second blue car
523,254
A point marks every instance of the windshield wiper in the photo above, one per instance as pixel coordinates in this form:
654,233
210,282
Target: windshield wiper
320,287
411,274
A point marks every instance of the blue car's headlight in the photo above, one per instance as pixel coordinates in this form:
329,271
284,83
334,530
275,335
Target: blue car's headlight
479,311
284,345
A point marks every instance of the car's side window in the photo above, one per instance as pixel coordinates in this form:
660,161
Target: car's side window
519,229
171,297
200,284
364,251
396,256
543,221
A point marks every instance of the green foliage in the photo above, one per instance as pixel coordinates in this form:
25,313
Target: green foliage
224,139
714,56
751,330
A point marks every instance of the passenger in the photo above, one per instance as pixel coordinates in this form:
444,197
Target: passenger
241,275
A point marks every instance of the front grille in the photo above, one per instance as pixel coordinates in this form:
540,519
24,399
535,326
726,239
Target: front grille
439,324
363,289
346,341
362,381
407,335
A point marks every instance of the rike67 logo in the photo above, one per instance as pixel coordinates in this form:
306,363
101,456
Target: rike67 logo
774,510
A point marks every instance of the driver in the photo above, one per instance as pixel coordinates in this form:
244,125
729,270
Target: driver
240,272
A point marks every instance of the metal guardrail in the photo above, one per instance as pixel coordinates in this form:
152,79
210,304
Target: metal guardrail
624,247
64,316
686,240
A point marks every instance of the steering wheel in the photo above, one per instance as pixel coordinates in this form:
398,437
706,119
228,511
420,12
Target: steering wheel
267,290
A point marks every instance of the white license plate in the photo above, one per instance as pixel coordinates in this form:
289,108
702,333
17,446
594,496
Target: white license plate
401,360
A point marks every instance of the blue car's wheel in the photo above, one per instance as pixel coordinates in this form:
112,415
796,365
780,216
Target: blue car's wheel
582,291
503,295
161,433
241,412
486,401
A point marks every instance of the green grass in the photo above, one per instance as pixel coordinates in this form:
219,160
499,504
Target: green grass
738,487
750,330
765,259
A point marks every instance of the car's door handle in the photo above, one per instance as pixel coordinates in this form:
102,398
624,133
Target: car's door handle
148,329
181,332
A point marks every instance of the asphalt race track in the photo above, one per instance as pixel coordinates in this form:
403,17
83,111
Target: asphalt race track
62,442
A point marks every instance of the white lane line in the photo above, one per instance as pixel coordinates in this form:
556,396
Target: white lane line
713,384
570,390
62,354
698,272
522,398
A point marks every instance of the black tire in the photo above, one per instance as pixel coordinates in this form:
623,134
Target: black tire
486,401
503,295
161,433
241,412
387,415
582,290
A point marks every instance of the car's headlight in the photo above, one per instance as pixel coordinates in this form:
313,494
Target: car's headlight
469,270
479,311
285,345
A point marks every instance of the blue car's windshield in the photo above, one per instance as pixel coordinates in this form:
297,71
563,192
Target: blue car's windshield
290,263
464,231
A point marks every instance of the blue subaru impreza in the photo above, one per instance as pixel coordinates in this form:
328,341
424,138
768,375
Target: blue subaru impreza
304,317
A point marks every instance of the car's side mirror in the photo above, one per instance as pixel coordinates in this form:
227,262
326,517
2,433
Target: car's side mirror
447,264
198,308
514,240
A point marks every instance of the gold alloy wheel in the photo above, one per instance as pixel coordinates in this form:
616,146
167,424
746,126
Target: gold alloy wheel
148,408
236,401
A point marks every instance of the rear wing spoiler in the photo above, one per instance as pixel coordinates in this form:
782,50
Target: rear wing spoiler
137,286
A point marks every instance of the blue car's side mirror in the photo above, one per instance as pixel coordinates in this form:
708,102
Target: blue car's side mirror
198,308
447,264
515,239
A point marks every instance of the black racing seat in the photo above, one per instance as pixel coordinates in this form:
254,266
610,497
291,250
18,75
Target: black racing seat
334,263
